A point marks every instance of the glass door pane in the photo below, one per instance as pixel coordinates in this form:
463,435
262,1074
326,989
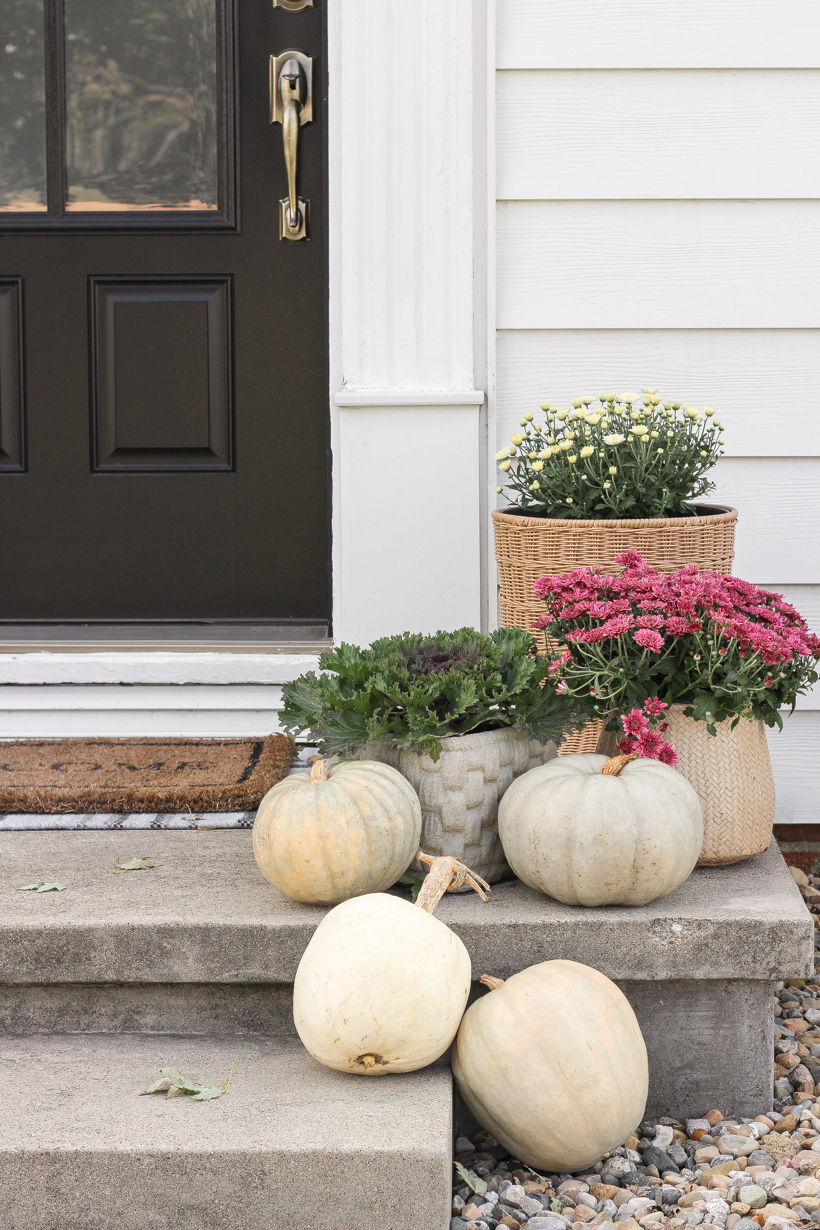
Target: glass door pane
22,108
141,105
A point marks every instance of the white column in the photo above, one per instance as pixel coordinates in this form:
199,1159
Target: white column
407,417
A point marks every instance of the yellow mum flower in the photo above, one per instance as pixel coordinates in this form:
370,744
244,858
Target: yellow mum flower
572,459
505,465
538,466
517,439
587,451
502,453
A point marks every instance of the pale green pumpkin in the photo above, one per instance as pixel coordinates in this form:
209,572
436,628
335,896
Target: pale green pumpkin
552,1063
326,836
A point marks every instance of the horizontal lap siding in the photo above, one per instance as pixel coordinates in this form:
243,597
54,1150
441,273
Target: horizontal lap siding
658,223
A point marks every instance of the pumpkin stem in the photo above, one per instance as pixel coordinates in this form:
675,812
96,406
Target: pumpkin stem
614,765
318,772
489,980
446,873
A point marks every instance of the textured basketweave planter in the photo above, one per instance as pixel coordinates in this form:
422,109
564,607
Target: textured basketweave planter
731,773
459,793
527,548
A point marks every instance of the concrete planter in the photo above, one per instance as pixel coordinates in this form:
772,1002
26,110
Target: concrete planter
460,792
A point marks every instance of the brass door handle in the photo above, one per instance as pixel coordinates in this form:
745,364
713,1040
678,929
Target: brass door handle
291,105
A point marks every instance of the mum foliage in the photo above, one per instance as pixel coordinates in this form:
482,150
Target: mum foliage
716,644
622,458
414,691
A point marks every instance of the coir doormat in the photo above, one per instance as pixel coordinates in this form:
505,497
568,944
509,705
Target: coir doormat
60,776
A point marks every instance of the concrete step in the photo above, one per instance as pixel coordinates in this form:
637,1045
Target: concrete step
203,944
290,1143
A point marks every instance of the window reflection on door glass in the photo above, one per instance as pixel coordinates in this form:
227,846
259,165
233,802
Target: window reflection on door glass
141,104
22,108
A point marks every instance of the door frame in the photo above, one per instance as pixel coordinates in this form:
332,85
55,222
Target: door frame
411,356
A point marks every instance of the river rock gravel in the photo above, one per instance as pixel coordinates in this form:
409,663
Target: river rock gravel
715,1172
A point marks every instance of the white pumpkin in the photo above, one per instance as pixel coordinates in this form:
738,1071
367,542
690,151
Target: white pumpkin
554,1065
382,985
324,837
588,830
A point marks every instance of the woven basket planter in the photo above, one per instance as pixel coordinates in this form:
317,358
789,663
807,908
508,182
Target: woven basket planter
460,792
527,548
732,776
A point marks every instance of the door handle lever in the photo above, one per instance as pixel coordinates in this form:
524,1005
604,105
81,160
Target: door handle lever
291,105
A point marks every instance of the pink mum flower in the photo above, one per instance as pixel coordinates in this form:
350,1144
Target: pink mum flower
654,707
634,723
648,639
668,755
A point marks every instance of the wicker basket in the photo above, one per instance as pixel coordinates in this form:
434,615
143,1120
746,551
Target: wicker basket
527,548
732,777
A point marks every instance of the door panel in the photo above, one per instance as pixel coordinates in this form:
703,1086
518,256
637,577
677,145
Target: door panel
175,356
162,391
12,425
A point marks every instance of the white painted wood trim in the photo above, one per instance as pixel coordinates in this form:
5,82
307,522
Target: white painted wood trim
153,668
352,399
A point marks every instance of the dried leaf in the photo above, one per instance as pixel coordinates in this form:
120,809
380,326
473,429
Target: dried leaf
46,886
475,1184
135,864
176,1084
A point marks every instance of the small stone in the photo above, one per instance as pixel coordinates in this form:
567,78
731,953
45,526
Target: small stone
753,1195
518,1198
706,1155
806,1161
760,1158
740,1208
548,1222
787,1124
746,1223
511,1224
737,1146
799,877
463,1145
584,1213
810,1203
713,1117
603,1191
571,1187
778,1146
608,1179
459,1223
696,1125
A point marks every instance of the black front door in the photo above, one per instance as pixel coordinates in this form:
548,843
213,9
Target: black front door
163,388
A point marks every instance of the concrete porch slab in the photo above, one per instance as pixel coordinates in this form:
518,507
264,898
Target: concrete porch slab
207,915
290,1144
204,945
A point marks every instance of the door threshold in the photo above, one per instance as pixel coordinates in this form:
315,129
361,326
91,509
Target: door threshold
283,637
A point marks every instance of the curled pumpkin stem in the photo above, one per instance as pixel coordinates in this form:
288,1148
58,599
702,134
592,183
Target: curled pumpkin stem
318,772
489,980
614,765
446,873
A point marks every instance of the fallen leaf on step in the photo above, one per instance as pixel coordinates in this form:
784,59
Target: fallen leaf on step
474,1183
135,864
173,1083
46,886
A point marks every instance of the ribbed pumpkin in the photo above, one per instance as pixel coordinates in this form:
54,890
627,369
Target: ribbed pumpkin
382,985
552,1062
589,830
325,837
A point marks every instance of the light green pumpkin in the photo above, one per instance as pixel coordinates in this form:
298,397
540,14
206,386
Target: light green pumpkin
588,830
326,836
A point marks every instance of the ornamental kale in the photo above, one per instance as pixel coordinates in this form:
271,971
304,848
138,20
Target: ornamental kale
617,459
416,690
716,644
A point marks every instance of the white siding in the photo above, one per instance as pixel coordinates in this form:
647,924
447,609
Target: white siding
658,222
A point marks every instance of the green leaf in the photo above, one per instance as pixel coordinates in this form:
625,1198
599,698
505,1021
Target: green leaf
413,882
135,864
555,1204
475,1184
46,886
